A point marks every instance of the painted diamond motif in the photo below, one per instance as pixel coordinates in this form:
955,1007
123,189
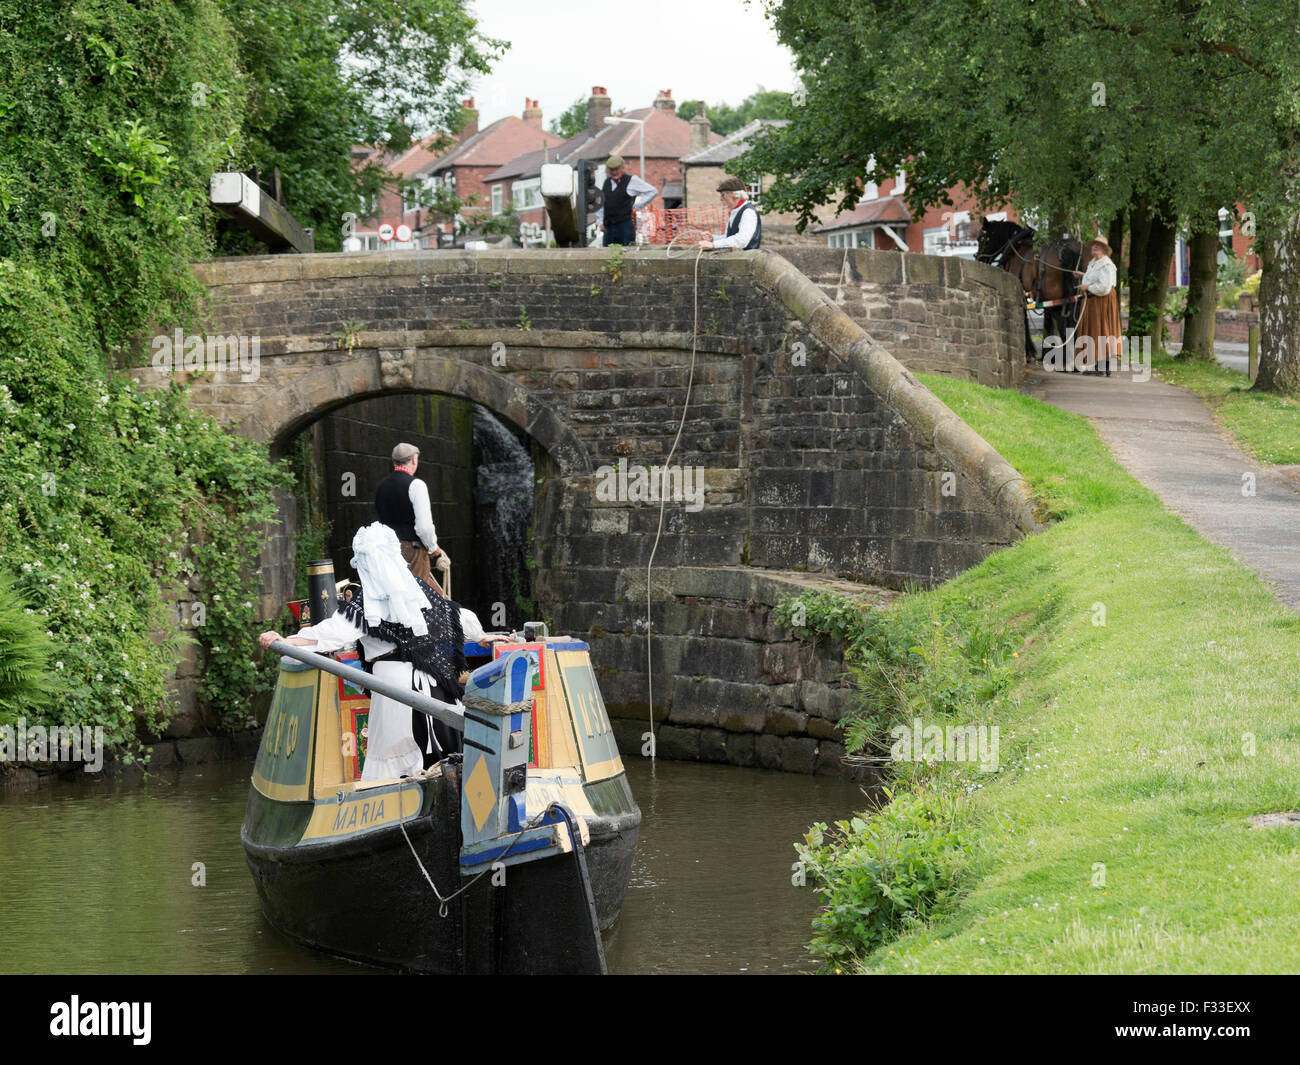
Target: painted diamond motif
480,793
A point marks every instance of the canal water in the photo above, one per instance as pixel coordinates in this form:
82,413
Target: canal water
99,877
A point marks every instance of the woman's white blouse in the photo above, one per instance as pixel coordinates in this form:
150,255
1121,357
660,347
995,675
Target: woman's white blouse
1100,277
337,631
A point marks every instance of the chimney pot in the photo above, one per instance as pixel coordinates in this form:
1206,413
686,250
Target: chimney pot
599,108
701,129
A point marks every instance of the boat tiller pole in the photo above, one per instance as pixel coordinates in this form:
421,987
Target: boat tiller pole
448,714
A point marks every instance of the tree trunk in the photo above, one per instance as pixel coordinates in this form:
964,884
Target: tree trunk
1115,237
1279,309
1151,249
1202,293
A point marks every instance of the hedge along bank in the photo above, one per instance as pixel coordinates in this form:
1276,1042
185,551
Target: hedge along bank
110,501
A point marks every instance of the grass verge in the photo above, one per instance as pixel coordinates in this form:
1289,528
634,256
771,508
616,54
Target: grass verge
1263,424
1146,701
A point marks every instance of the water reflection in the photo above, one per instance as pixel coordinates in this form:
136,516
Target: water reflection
98,877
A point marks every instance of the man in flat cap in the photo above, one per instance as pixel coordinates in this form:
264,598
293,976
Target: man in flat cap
402,500
744,228
624,193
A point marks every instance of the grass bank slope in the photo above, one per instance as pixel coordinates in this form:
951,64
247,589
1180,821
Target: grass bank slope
1155,705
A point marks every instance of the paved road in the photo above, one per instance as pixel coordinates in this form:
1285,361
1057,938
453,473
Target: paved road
1229,354
1166,437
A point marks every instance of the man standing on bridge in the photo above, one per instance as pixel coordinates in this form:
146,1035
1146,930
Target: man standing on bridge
744,229
623,194
402,501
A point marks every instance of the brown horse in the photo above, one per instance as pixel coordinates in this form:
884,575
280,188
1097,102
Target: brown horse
1047,274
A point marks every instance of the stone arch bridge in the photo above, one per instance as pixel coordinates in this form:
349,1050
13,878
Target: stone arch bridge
825,462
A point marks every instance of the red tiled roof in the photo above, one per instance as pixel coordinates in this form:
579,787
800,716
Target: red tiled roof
498,143
887,210
666,137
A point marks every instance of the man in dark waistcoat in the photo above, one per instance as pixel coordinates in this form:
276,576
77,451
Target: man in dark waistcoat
402,500
624,193
744,227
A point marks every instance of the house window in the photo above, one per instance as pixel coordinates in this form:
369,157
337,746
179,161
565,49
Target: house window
900,183
527,195
755,190
497,198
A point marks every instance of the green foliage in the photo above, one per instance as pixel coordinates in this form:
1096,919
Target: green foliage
116,502
725,119
1233,270
997,98
572,121
26,656
884,873
324,75
1233,273
1175,304
614,268
104,162
908,660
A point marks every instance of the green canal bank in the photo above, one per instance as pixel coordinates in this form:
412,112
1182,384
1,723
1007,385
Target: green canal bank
1144,685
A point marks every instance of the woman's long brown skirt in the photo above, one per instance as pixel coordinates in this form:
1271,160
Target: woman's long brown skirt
1097,340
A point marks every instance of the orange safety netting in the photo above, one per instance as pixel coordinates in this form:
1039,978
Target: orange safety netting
659,225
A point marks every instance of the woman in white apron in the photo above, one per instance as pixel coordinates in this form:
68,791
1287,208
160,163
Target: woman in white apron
409,635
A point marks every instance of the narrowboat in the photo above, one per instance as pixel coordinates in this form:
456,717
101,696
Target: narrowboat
512,857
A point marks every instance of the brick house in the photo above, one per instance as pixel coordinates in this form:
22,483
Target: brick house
466,166
389,208
667,139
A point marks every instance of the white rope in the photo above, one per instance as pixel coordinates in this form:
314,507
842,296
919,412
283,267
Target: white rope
442,902
663,473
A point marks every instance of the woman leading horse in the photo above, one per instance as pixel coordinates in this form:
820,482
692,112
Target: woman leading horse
1047,274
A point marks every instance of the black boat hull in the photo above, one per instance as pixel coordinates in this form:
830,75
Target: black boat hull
365,897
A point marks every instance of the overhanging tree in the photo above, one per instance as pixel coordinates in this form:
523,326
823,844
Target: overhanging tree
325,75
1079,112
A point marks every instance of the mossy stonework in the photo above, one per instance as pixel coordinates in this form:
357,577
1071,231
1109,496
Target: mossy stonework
822,457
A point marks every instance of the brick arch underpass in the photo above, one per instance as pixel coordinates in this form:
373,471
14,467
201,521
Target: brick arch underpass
825,463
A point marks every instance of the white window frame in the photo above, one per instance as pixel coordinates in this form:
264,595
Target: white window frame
527,195
498,198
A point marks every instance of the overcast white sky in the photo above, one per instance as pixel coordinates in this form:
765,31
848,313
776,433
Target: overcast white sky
716,50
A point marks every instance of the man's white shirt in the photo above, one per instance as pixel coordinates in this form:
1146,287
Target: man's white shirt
748,223
418,494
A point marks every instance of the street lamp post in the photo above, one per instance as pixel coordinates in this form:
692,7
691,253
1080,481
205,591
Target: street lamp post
640,122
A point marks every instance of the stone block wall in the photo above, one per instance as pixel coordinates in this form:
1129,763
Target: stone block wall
936,314
356,442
